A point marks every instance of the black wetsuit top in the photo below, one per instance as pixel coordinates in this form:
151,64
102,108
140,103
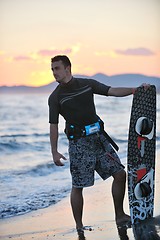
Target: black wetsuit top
74,101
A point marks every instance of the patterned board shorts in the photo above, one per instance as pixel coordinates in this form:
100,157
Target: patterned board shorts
88,155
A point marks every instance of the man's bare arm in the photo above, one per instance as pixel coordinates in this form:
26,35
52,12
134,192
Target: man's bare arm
123,91
120,91
54,145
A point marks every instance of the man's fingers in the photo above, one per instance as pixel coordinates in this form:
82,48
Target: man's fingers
63,157
146,86
57,159
59,163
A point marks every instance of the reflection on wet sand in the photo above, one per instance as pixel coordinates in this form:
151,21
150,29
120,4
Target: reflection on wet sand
145,230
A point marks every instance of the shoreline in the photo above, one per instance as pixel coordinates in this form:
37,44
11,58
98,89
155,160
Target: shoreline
56,222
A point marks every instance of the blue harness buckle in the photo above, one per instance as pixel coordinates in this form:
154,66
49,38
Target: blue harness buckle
93,128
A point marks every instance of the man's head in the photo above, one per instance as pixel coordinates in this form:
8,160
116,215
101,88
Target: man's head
61,68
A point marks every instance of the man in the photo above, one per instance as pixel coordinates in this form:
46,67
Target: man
90,148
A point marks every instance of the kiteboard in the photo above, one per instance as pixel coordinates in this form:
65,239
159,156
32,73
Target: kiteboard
141,154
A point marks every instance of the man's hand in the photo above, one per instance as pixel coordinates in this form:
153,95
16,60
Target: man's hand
146,86
56,158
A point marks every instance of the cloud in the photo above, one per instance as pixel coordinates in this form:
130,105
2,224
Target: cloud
136,52
22,58
52,52
49,53
41,53
44,55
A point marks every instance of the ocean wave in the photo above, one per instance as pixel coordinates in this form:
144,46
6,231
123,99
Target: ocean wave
32,188
12,145
21,142
15,206
27,142
36,171
25,135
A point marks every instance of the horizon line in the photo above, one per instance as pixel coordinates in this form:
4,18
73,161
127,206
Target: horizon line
83,75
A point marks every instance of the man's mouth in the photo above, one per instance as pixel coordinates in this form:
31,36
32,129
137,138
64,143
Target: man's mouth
55,76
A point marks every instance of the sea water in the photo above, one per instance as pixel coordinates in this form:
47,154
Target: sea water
29,180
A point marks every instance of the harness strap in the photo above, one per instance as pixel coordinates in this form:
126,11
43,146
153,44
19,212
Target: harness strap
110,140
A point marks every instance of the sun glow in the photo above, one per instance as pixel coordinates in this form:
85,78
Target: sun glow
40,78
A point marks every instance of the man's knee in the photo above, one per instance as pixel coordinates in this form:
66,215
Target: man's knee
120,176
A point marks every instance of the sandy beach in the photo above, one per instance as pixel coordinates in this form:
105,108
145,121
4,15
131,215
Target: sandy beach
56,222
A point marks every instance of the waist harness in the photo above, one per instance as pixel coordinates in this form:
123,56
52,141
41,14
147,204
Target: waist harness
75,132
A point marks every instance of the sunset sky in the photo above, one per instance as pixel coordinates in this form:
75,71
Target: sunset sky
107,36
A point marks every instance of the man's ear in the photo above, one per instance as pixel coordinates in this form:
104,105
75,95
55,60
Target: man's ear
68,69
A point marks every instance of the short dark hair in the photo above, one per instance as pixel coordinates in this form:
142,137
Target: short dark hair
65,60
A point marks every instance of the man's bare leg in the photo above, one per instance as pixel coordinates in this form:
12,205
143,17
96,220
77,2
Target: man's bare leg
118,192
77,206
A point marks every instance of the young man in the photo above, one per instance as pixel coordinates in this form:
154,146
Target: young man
90,148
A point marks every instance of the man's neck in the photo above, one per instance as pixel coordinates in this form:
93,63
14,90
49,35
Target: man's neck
67,79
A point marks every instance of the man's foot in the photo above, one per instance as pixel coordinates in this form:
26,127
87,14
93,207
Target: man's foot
123,219
80,232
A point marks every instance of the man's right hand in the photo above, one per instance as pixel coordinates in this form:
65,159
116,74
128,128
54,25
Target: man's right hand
56,158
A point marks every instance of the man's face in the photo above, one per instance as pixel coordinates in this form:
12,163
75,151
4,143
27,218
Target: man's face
59,71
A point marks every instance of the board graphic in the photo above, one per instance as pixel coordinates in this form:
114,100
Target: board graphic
141,154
